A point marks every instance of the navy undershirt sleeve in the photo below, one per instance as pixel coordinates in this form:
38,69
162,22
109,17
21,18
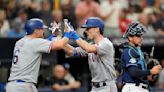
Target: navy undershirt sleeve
138,73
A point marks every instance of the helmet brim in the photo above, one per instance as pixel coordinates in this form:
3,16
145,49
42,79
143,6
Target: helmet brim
86,26
44,26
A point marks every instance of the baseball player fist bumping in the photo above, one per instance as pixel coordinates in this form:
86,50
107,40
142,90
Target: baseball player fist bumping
27,56
69,27
100,55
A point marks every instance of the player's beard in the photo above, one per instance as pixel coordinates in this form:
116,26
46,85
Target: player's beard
138,44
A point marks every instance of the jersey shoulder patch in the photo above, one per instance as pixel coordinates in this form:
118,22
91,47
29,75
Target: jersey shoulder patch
132,60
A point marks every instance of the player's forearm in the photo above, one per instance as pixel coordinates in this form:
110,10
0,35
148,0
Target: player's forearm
136,72
56,87
57,45
86,46
66,87
82,43
68,49
75,84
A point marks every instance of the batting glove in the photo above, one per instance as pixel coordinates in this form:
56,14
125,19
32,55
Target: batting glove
74,34
54,27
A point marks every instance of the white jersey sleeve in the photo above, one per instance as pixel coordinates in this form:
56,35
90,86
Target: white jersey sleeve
43,46
105,47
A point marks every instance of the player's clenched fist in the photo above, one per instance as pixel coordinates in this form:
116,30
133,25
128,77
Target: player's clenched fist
54,26
156,69
67,29
72,30
66,25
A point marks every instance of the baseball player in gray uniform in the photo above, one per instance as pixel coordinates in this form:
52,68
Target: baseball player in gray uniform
27,56
100,55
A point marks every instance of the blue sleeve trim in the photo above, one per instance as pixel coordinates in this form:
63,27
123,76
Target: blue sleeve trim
50,38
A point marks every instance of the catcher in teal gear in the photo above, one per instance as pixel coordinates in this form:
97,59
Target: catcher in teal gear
133,64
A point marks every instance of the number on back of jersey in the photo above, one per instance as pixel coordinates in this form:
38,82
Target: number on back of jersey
15,56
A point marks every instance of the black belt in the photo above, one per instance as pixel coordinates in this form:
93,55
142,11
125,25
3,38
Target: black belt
99,84
142,85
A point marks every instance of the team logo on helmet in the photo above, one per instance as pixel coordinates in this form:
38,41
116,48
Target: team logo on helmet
85,22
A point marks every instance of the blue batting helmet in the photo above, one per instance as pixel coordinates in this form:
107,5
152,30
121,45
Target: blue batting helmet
94,22
134,29
33,24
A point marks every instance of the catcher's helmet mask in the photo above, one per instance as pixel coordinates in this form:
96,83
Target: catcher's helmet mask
135,29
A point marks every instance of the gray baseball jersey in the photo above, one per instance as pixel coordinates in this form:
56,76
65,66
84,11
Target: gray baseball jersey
101,64
27,58
56,38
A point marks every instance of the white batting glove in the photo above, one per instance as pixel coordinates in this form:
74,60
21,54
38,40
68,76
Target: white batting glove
54,27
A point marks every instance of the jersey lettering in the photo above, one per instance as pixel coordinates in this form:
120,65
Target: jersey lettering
15,56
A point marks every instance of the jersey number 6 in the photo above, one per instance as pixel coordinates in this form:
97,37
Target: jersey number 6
15,56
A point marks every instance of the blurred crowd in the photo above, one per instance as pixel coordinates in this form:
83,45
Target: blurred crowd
117,14
62,79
